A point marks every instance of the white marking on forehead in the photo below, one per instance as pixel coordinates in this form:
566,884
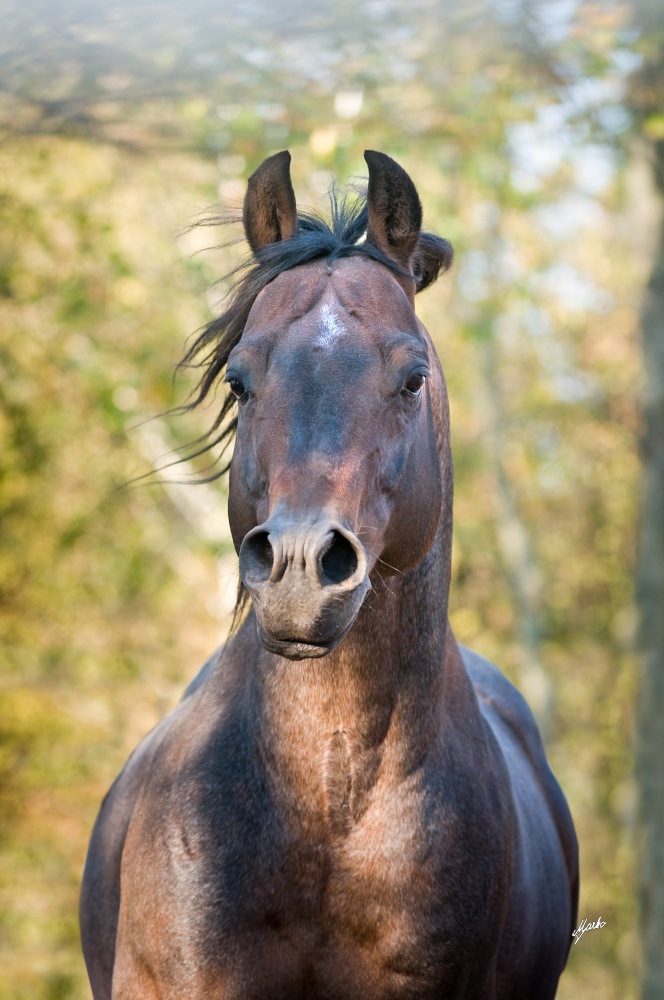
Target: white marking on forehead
331,327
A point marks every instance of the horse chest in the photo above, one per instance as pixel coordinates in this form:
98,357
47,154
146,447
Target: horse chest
362,904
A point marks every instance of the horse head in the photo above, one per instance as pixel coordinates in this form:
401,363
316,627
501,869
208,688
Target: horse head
336,467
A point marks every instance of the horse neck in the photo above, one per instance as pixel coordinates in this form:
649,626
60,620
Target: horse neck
380,695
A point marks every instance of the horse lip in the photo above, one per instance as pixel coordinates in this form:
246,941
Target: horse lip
296,649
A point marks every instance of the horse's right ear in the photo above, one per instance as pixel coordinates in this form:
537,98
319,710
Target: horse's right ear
269,212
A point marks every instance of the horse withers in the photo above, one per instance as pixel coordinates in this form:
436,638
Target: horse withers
345,804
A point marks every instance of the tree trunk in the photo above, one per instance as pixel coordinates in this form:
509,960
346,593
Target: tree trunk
650,599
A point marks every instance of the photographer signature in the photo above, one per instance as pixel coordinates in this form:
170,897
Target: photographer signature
585,926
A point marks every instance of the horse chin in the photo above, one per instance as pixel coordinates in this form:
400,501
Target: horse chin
298,648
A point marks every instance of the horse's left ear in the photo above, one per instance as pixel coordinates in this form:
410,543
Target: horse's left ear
394,209
395,220
269,212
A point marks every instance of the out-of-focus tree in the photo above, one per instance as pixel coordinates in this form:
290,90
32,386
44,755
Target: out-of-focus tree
647,100
102,588
118,123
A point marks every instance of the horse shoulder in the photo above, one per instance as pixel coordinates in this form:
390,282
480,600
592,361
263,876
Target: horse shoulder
203,674
547,841
499,699
100,892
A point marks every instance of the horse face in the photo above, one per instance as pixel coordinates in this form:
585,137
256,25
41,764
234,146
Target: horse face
336,472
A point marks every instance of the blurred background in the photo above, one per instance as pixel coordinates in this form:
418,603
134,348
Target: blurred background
534,131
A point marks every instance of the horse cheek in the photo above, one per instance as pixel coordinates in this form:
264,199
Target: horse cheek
243,492
416,507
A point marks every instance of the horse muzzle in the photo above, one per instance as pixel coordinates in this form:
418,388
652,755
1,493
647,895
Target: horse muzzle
307,581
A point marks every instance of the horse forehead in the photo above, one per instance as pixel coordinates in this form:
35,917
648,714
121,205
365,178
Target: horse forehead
331,325
327,298
289,296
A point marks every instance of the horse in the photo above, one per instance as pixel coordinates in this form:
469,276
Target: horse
346,803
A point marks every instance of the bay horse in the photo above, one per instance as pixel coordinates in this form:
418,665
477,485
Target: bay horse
346,804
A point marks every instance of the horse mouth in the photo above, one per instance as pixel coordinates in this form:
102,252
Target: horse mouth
298,649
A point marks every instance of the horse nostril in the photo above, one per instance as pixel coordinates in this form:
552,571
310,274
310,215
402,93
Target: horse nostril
339,560
256,558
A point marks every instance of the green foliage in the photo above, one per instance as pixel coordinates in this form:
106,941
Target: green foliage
110,593
95,311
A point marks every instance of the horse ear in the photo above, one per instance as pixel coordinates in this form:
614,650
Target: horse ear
394,209
433,256
269,212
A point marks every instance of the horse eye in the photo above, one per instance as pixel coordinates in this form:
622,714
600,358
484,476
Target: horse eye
236,386
414,384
